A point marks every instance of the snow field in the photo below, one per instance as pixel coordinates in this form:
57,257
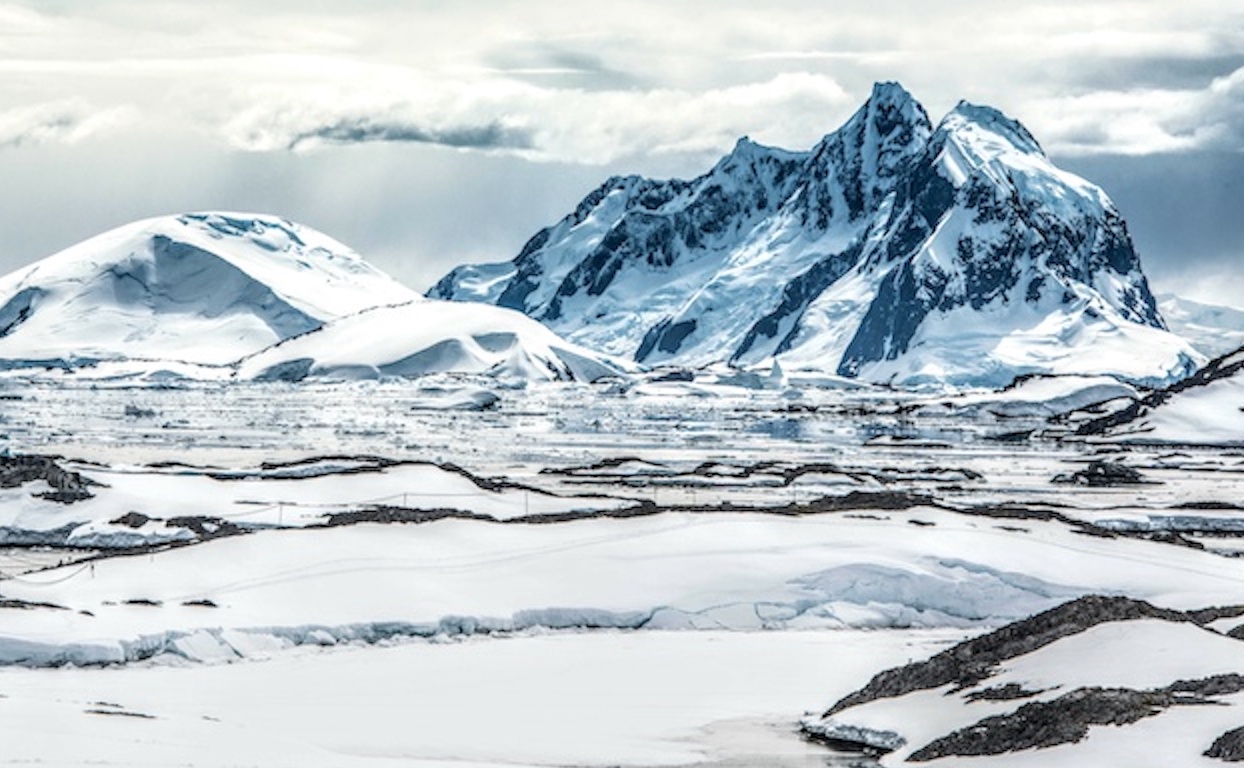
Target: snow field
673,571
587,700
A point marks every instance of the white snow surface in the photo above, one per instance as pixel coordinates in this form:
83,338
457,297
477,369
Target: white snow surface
1214,330
1209,414
598,641
219,295
632,699
424,337
739,571
1039,396
994,345
298,495
199,288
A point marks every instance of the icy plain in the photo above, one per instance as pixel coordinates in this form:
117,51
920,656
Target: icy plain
635,572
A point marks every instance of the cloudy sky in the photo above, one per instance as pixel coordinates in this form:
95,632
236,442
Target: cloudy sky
426,133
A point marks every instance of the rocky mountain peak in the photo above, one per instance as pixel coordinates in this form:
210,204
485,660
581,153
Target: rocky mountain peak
892,250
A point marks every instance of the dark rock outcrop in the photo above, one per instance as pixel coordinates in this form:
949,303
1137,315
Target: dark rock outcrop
1067,719
1103,474
1228,747
971,662
67,486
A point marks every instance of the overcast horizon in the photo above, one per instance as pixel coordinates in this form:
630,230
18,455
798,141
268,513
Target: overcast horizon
428,134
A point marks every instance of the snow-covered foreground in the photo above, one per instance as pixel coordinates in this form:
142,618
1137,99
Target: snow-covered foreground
639,572
725,698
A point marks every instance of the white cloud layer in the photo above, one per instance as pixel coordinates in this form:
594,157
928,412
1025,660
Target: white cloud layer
547,79
64,122
537,121
393,124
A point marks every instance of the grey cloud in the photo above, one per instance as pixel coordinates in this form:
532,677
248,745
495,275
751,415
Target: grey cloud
490,136
1182,209
1224,114
554,64
1140,121
38,132
1164,72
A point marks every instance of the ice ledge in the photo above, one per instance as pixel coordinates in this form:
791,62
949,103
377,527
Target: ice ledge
837,734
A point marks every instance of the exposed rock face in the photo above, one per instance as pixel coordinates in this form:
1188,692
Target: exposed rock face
892,250
1103,474
1228,747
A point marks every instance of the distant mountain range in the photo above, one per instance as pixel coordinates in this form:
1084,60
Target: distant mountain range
893,251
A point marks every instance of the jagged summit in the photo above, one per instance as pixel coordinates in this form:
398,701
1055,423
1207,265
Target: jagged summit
979,120
893,250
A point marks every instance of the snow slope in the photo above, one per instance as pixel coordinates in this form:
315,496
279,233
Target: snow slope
203,288
1213,330
422,337
1206,408
189,296
892,251
602,699
1144,687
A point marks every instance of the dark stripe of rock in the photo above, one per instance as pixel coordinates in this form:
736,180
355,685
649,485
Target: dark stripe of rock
1103,474
1067,719
1008,692
1218,368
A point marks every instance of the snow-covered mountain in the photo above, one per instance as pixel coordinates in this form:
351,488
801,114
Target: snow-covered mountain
225,294
893,250
201,288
